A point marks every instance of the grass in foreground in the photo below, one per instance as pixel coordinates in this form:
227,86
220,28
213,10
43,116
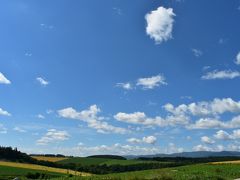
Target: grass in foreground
7,172
42,168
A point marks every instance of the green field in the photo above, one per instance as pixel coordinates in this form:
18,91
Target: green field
191,172
101,161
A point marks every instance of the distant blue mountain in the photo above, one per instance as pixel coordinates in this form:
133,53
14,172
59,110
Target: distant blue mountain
195,154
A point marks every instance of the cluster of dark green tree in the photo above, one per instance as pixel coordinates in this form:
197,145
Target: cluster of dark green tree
10,154
106,169
108,157
49,155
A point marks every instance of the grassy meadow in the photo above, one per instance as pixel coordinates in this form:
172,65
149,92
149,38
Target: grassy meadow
191,172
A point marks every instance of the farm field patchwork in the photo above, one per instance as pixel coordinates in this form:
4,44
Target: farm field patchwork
50,159
227,162
228,171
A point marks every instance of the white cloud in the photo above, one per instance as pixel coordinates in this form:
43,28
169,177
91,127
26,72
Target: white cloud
134,140
236,134
207,140
222,135
142,119
197,52
207,123
201,147
3,79
4,113
151,82
42,81
40,116
204,108
90,116
53,136
233,147
186,114
126,86
172,148
238,59
160,24
115,149
149,139
3,130
18,129
224,74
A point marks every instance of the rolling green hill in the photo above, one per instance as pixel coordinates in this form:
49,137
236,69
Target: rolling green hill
190,172
100,161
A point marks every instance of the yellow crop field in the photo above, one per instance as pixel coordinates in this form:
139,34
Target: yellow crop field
43,168
51,159
227,162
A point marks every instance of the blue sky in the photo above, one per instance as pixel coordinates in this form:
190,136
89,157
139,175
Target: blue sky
120,77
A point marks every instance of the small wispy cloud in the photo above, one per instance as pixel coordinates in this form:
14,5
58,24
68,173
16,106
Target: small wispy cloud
126,86
53,136
40,116
3,130
224,74
20,130
207,140
46,26
28,54
238,58
147,140
151,82
4,113
222,40
49,111
206,68
42,81
186,97
3,79
117,10
197,52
